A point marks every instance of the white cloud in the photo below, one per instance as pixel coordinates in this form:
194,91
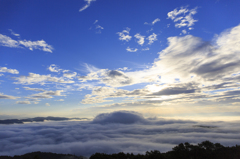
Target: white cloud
87,5
54,68
70,75
155,21
47,104
34,89
47,94
124,68
183,67
23,102
95,21
124,35
99,29
183,17
113,132
145,49
60,100
33,78
131,49
3,96
13,33
184,31
7,41
12,71
152,38
140,38
40,44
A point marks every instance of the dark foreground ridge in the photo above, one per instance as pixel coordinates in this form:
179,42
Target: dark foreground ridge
204,150
44,155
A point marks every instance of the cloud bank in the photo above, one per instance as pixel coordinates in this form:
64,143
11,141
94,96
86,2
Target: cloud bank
115,132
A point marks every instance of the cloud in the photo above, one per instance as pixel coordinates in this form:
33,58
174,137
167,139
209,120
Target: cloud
153,22
145,49
112,133
2,96
7,41
13,33
36,119
122,117
40,44
176,89
12,71
189,68
184,31
47,104
54,68
33,78
70,75
99,29
87,5
47,94
124,35
60,100
95,21
34,89
182,17
23,102
131,49
140,38
152,38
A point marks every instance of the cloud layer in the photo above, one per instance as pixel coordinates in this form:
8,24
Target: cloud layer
112,133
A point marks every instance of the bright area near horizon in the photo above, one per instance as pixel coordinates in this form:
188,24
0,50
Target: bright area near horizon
151,74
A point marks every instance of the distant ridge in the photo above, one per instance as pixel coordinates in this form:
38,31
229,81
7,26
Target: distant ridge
44,155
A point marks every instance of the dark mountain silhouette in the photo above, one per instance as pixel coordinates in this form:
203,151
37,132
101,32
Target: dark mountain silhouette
204,150
44,155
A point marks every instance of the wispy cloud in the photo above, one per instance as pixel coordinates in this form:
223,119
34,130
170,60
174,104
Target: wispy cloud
15,34
131,49
124,35
40,44
99,29
23,102
183,17
3,96
54,68
145,49
140,38
153,22
87,5
34,78
152,38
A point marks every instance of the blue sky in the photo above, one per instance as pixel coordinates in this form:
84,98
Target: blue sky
171,59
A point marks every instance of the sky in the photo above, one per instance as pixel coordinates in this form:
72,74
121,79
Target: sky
158,60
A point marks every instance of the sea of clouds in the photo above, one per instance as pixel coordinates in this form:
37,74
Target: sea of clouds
121,131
